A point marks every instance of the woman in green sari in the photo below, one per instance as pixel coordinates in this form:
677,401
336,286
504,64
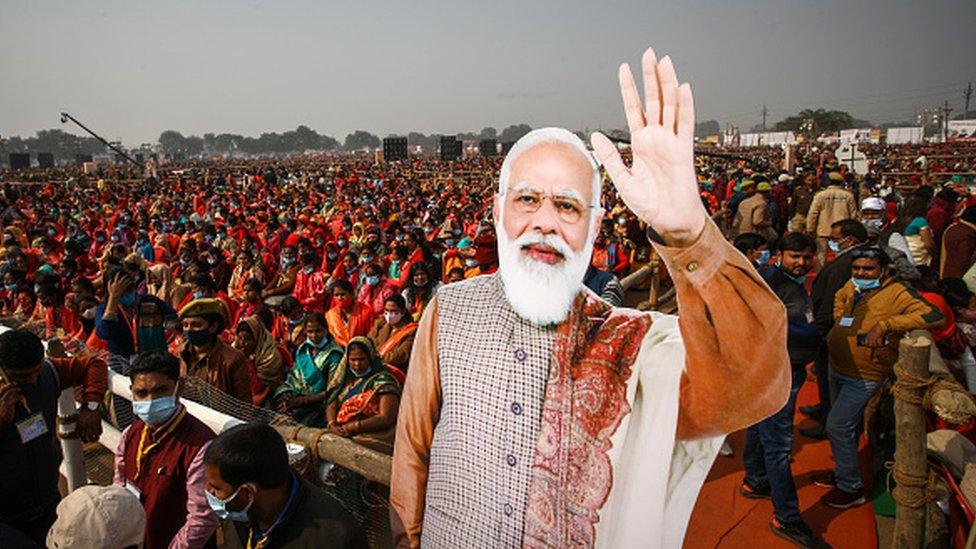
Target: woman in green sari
304,391
363,398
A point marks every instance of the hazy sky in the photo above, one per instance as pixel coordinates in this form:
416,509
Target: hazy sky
132,69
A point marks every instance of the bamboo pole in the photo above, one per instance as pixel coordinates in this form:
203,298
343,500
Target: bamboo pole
910,458
345,453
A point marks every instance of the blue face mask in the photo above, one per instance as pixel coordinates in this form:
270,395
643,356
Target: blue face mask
764,257
372,280
219,507
834,246
866,284
155,411
363,374
308,270
128,299
798,279
10,287
332,256
287,261
321,343
199,295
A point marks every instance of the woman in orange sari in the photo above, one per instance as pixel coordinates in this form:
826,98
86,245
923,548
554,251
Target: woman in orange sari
393,333
363,398
347,318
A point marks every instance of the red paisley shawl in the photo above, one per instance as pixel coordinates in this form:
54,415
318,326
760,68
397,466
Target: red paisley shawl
585,402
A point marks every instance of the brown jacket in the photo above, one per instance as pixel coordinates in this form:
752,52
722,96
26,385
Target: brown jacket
728,385
225,368
829,206
752,216
897,308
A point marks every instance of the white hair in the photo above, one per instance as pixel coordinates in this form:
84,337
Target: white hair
541,293
549,135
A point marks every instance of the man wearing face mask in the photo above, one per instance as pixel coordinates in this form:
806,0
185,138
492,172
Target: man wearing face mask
30,454
160,457
872,312
844,236
755,247
263,503
205,356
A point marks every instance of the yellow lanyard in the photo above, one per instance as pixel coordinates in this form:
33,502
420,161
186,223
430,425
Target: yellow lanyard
144,451
250,538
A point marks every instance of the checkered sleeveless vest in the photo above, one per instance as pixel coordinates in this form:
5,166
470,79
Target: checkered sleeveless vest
493,371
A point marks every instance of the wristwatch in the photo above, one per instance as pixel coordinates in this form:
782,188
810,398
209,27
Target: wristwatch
92,405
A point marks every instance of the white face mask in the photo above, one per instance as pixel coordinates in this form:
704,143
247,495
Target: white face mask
393,318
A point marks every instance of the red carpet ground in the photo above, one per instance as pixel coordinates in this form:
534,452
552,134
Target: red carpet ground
723,518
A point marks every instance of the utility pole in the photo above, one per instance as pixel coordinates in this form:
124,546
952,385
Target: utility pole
945,121
764,112
966,95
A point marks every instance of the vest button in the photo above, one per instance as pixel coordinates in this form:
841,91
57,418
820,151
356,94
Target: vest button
510,460
509,510
692,266
520,355
516,408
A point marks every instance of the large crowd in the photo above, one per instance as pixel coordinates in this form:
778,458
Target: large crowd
297,284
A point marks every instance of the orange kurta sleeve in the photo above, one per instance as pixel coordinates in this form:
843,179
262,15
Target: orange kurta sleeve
737,369
420,407
88,372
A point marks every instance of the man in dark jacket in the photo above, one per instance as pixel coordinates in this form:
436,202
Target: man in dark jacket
264,503
844,236
768,443
30,454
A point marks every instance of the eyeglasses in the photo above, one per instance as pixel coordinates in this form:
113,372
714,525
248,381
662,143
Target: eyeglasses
568,209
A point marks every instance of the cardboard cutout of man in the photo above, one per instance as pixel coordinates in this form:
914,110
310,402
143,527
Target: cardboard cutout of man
536,415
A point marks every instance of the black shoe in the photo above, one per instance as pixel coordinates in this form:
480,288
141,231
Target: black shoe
754,493
815,432
825,479
812,411
799,533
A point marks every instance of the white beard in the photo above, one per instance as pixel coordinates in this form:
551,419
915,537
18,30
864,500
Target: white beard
541,293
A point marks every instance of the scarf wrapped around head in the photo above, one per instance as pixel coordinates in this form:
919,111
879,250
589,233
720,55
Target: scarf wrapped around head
379,378
162,286
266,359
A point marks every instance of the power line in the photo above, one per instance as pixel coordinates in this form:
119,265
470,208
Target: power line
882,97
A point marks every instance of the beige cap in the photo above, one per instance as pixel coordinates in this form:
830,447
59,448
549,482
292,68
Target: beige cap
109,517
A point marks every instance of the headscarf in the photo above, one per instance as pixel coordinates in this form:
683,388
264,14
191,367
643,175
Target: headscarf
163,289
266,359
378,377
